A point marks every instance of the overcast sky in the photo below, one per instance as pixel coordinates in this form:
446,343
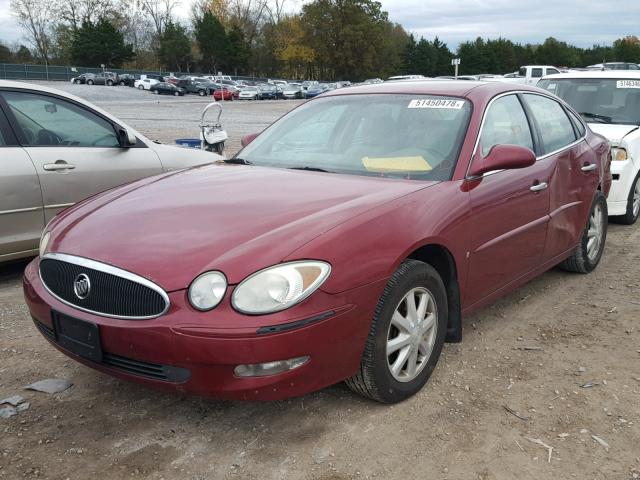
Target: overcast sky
580,22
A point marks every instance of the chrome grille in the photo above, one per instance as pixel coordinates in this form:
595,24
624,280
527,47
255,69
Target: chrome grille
112,292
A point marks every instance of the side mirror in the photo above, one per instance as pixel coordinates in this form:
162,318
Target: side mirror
502,157
247,139
126,137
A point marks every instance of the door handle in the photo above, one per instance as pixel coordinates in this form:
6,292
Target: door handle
589,167
538,187
52,167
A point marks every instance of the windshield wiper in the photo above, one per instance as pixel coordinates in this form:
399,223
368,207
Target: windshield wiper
310,169
597,116
237,161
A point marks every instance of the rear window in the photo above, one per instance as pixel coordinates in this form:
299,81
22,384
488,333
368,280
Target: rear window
554,125
536,72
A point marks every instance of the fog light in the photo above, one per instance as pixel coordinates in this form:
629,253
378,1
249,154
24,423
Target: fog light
269,368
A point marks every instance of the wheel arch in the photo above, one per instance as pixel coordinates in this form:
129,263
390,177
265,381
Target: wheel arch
441,258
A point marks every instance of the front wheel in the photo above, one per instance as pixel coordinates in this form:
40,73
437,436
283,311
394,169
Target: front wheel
109,83
633,204
406,335
122,83
177,94
587,254
202,93
156,92
89,82
140,87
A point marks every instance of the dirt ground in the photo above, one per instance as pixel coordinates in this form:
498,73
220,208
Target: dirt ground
563,353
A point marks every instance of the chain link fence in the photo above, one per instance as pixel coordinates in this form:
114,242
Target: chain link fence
15,71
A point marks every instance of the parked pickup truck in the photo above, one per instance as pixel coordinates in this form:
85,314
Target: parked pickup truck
528,75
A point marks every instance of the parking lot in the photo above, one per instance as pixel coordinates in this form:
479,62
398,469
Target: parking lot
545,385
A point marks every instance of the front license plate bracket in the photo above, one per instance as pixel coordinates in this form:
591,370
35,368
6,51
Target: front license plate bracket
78,336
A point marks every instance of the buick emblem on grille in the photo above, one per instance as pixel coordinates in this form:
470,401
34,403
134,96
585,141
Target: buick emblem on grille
82,286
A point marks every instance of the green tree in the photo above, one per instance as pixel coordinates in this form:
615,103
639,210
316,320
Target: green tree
23,55
212,41
627,49
5,54
99,44
555,52
239,51
348,38
175,47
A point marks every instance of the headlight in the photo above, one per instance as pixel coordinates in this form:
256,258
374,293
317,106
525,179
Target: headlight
280,287
618,154
44,241
207,290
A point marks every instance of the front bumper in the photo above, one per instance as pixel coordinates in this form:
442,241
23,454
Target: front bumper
198,351
623,174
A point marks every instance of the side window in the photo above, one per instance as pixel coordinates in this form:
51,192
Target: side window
51,121
536,72
505,124
578,123
555,127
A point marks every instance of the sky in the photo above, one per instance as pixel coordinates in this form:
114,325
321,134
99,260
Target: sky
579,22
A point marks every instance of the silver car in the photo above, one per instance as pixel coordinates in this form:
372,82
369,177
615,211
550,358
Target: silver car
57,149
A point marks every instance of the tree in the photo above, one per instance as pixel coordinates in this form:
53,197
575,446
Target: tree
5,54
627,49
35,17
99,44
212,41
175,47
239,51
348,37
23,55
160,12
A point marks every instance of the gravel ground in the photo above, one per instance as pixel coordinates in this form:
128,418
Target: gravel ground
166,118
556,363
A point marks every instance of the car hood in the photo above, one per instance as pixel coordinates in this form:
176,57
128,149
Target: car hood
232,218
613,133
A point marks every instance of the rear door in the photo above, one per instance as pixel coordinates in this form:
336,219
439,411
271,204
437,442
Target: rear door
74,149
21,215
576,177
509,208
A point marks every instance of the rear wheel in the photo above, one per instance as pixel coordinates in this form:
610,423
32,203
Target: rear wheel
587,254
406,335
89,82
109,83
122,83
633,204
177,94
140,87
156,92
202,93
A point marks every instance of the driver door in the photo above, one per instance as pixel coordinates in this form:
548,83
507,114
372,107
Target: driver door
75,150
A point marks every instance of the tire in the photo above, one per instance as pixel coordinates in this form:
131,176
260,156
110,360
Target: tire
140,87
582,260
122,84
77,82
374,378
89,82
633,204
177,94
109,83
202,93
156,92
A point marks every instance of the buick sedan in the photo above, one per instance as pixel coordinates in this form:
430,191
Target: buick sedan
345,242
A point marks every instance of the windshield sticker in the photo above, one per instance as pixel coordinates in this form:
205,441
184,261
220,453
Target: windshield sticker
628,84
436,103
396,164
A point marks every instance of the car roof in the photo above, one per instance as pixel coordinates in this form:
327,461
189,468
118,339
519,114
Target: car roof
615,74
453,88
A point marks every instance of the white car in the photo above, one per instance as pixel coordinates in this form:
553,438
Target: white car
248,93
57,149
609,101
145,83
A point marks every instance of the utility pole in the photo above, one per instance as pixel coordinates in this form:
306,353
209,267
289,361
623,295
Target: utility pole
455,62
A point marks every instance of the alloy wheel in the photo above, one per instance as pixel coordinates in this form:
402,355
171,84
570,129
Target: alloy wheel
595,232
412,334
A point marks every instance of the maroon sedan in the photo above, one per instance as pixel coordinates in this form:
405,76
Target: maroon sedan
345,242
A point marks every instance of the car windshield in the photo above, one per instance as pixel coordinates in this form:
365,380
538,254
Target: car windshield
399,136
599,100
